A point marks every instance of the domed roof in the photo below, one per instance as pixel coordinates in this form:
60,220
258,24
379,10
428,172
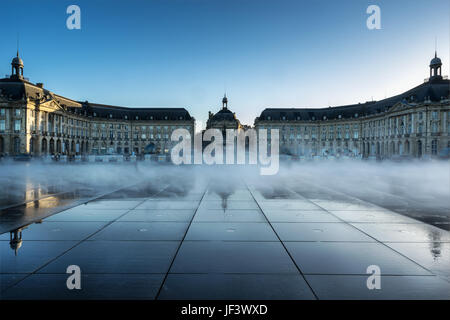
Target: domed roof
435,61
224,114
16,61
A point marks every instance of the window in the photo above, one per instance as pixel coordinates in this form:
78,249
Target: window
2,112
17,112
17,125
419,128
434,115
434,147
2,125
434,128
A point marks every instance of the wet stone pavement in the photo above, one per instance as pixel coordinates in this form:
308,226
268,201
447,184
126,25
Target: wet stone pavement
236,241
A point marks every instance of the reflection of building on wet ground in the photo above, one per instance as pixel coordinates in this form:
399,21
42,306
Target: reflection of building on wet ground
223,240
15,240
415,123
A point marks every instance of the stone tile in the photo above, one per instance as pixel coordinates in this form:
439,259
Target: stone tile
319,232
220,215
350,258
346,205
31,255
58,230
80,213
117,257
93,286
236,286
398,232
288,205
8,279
354,287
149,204
247,231
142,231
300,216
232,205
149,215
112,204
435,256
372,216
232,257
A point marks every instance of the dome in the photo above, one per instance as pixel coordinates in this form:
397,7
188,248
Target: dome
16,61
224,114
435,61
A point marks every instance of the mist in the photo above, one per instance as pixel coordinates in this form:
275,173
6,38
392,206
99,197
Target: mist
418,189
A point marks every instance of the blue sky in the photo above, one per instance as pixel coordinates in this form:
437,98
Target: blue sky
264,53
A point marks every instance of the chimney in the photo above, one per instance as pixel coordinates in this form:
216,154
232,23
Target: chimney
40,85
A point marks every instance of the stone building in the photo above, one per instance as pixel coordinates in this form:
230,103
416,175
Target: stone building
36,121
415,123
223,119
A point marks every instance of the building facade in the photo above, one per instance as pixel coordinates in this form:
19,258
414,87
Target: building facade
36,121
415,123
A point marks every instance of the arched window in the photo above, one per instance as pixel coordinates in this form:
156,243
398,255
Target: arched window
44,146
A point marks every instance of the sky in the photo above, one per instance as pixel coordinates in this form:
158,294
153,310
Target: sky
263,53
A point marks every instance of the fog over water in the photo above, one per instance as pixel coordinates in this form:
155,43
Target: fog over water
418,189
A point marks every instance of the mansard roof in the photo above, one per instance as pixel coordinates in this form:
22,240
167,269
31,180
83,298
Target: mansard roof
434,90
20,89
116,112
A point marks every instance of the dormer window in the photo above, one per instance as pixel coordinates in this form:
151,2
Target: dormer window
324,117
95,114
151,117
313,118
137,118
340,116
110,115
298,117
181,118
166,117
126,117
356,115
269,118
284,117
